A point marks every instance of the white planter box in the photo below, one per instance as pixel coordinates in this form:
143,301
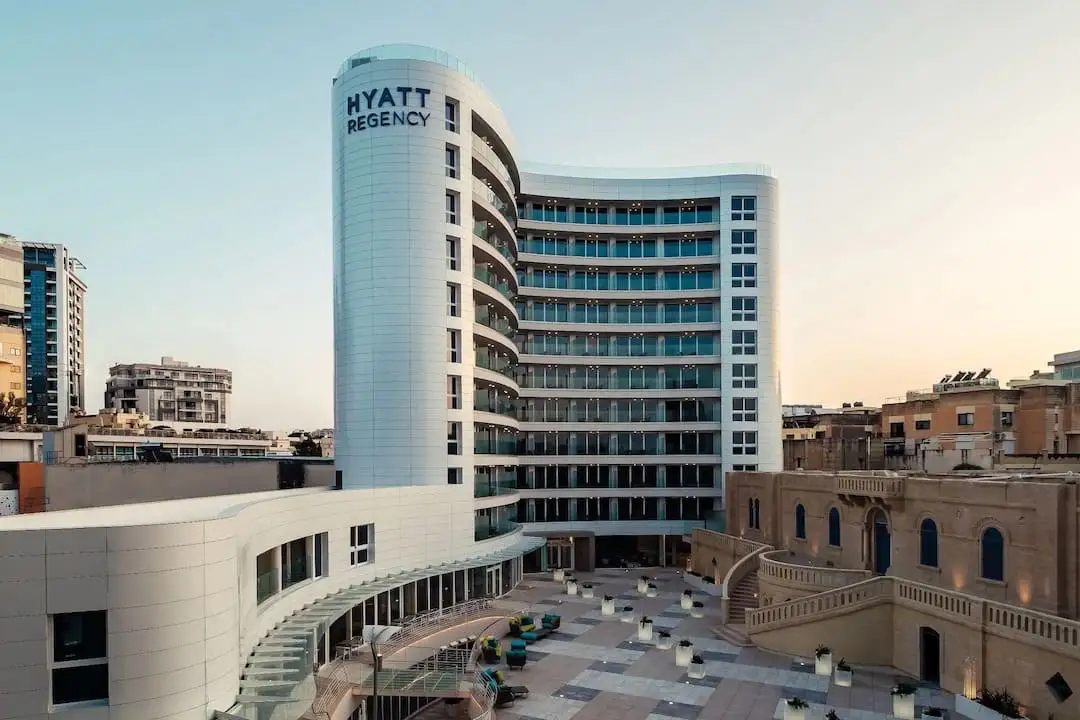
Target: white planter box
971,709
686,602
924,716
903,706
642,586
628,616
663,643
559,575
696,671
683,655
843,678
823,665
586,592
697,612
650,591
607,607
571,587
791,713
644,631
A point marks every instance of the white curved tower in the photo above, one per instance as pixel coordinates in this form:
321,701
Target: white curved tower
424,250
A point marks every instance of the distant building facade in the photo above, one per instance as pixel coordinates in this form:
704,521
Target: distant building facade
172,392
847,438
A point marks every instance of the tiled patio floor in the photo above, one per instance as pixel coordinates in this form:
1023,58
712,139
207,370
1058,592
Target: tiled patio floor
596,668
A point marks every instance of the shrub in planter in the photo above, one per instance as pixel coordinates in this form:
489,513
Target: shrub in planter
1000,701
607,607
697,609
798,703
650,589
587,590
842,674
795,709
628,613
684,651
903,701
823,660
645,629
663,640
831,715
643,584
822,651
933,712
697,667
687,600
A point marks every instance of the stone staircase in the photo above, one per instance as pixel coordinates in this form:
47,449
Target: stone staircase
744,596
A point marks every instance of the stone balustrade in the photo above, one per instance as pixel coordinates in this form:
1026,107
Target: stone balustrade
775,568
873,486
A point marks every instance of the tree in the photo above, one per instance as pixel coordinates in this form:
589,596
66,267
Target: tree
307,448
11,409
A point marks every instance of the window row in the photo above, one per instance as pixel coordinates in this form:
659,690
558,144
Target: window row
573,410
618,443
545,477
743,275
577,377
743,207
297,561
625,313
991,550
743,242
602,509
743,342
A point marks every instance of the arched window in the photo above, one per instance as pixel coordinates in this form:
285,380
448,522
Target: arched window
800,522
834,527
757,514
750,514
993,555
928,543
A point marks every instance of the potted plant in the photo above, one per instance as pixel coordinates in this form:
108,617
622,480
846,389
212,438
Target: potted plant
643,584
645,628
558,574
684,652
903,701
607,605
663,640
628,613
696,668
831,715
687,599
697,609
990,705
932,713
843,673
823,660
586,590
571,586
795,709
650,589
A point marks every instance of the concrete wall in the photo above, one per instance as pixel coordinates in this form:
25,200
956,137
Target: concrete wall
98,484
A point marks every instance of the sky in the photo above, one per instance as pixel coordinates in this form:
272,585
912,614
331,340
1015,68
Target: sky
926,154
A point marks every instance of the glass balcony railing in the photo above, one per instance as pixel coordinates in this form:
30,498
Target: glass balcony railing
500,446
482,232
496,363
486,195
485,151
487,531
489,278
501,406
487,486
496,322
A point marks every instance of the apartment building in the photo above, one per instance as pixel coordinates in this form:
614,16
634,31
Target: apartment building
171,392
844,438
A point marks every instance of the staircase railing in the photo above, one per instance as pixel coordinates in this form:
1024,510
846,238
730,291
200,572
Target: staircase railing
743,567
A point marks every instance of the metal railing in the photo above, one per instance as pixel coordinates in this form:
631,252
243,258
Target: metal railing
432,622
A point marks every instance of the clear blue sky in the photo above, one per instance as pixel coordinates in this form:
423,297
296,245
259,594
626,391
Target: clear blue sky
927,154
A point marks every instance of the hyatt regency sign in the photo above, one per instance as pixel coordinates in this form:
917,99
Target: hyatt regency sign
381,107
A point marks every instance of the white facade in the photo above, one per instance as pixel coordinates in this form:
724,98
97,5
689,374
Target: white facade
179,583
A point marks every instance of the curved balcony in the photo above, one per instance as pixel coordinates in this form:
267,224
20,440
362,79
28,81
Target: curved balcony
784,575
494,208
496,369
491,167
494,418
494,249
497,290
489,529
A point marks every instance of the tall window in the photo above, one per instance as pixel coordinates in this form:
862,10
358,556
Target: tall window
80,660
453,299
757,503
452,208
453,392
450,111
453,253
750,513
928,543
993,555
800,522
451,161
360,539
453,438
754,512
453,346
834,527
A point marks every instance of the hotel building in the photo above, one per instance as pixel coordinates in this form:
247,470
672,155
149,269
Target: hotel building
171,392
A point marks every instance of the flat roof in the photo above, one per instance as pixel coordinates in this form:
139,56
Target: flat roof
151,513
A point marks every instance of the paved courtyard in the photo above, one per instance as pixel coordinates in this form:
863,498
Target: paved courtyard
596,668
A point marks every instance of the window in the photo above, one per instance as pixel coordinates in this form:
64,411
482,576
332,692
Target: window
744,442
744,376
360,541
453,438
453,476
800,522
744,242
744,409
743,275
453,253
743,208
451,162
1006,415
453,392
922,424
80,665
744,342
965,419
452,208
450,112
755,513
992,547
834,527
320,554
453,346
744,309
745,468
928,543
453,299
